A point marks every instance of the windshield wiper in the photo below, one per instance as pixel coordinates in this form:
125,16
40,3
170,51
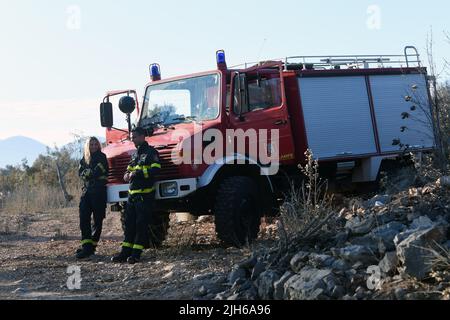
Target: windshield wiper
183,118
152,117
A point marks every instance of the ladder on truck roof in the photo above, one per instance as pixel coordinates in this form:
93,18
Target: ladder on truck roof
410,58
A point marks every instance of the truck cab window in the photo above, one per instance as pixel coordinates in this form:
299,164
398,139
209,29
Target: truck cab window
240,105
264,93
257,93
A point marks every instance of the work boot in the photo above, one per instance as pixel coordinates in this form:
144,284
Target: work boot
86,252
122,256
135,257
81,249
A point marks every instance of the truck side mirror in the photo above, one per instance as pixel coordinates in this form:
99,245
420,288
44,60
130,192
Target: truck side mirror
106,114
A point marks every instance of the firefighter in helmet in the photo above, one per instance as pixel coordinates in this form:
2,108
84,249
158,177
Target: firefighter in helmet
93,171
141,174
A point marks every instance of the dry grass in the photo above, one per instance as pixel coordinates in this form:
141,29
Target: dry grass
441,258
27,199
308,211
60,235
186,238
428,168
5,229
12,224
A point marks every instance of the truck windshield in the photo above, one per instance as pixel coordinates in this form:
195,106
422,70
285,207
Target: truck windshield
187,100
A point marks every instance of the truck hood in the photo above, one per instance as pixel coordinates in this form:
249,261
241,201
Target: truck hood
161,139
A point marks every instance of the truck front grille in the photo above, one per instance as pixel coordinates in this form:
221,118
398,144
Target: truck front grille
118,166
169,170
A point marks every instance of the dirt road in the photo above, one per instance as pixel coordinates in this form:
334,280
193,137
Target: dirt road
36,251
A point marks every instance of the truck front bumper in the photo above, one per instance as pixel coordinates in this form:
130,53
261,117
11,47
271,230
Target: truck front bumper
165,190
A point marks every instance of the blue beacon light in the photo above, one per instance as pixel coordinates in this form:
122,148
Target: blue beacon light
221,61
155,72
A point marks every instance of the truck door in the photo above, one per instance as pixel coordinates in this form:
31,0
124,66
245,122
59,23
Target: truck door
259,102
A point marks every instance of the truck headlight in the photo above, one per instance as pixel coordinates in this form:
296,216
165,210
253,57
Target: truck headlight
169,189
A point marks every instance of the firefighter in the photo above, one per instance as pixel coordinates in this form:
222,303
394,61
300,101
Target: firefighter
141,174
93,171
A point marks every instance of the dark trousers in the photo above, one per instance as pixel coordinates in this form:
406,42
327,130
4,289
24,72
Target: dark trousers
92,204
137,219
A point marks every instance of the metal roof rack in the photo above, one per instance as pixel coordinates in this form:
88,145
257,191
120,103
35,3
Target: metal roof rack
408,59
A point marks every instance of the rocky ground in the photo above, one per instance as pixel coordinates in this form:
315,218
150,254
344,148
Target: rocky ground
36,251
389,247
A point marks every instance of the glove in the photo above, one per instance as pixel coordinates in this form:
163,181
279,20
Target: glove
128,176
86,174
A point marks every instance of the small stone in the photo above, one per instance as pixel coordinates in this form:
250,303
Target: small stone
378,199
357,253
201,277
400,293
202,291
443,182
338,292
298,261
442,286
205,219
221,296
233,297
259,268
237,274
421,223
265,284
321,260
358,265
386,234
368,241
309,284
414,251
350,273
19,291
360,226
249,263
185,217
389,262
341,238
278,293
340,265
237,285
221,280
360,293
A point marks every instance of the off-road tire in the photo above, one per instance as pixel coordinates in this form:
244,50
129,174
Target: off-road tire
158,228
237,211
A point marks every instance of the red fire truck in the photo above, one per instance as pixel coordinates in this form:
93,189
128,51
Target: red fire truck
353,112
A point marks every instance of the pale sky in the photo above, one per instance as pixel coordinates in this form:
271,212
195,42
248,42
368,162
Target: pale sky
58,58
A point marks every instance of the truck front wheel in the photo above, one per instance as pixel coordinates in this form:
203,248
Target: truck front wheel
237,211
157,229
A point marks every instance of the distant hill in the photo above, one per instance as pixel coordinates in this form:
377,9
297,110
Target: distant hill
14,149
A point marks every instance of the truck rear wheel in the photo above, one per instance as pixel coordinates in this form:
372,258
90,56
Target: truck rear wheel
157,229
237,211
